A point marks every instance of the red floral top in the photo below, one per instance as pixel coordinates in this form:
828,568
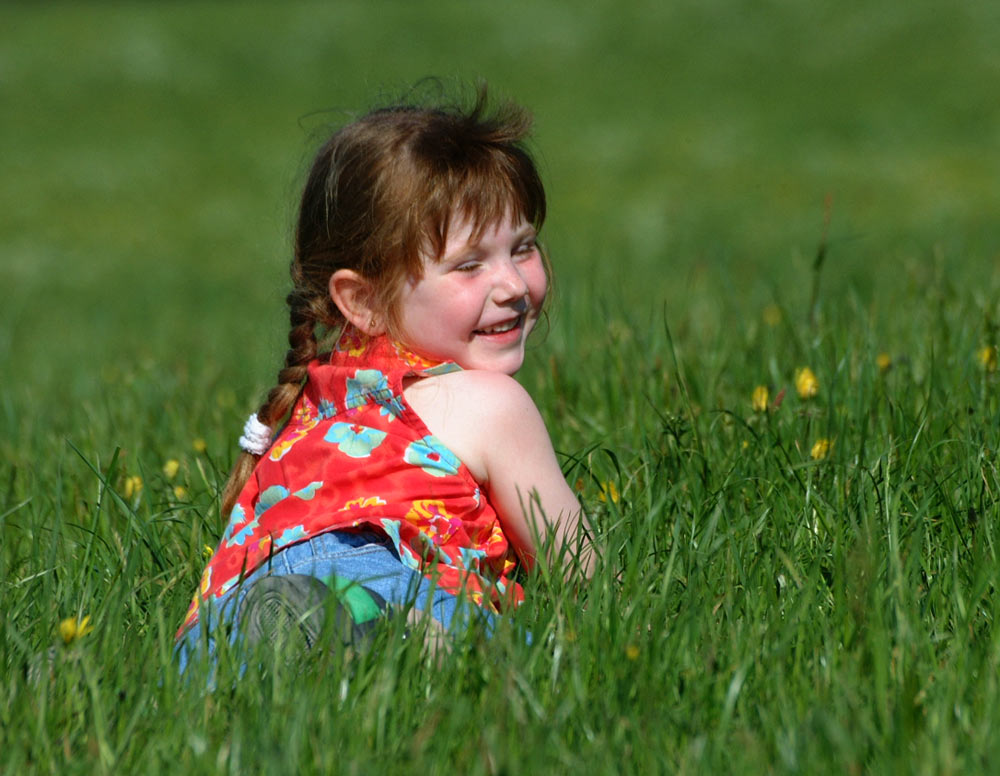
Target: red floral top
355,456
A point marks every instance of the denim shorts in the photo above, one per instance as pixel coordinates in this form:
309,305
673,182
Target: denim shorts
365,557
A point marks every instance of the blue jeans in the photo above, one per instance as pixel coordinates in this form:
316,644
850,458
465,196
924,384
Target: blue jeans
365,557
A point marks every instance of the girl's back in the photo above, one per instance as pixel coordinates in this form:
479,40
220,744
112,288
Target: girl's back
411,467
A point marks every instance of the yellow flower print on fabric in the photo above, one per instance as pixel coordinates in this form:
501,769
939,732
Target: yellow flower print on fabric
281,449
427,508
425,365
352,342
433,520
496,535
307,420
206,581
412,359
363,502
228,585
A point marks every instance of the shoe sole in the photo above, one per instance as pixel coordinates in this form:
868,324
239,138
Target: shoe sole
293,608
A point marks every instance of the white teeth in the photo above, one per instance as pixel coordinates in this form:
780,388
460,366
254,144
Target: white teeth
500,328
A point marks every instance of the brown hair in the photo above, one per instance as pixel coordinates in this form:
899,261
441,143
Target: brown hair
380,196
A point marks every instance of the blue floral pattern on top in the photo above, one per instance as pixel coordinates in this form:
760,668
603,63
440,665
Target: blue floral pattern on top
367,384
443,369
290,535
236,518
353,440
432,456
372,385
354,454
270,497
307,493
406,555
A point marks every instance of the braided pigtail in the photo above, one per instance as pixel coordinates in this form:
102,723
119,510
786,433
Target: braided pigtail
305,311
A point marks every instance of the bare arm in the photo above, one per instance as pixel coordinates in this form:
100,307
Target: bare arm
490,422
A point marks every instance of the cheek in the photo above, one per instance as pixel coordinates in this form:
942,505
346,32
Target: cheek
415,303
538,285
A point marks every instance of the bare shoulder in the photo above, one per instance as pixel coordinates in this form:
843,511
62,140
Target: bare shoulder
490,422
472,410
485,393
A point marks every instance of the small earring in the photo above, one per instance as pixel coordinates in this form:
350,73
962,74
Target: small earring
372,324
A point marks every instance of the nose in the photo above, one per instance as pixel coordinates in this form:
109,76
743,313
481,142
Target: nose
509,283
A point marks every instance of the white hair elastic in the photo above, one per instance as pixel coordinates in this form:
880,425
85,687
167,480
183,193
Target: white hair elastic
256,437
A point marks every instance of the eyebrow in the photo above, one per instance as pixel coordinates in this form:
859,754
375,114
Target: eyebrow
528,230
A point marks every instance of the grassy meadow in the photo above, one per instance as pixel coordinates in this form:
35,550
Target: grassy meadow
799,568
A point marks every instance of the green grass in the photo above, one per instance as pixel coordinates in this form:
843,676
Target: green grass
755,609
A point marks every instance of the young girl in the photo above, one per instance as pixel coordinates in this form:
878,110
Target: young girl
413,471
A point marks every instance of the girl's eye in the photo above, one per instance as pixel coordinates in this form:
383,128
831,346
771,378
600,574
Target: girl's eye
468,266
529,246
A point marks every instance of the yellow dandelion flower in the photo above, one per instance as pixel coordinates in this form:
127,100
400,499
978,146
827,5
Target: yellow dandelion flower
609,492
759,398
821,449
180,492
987,357
632,652
133,485
171,467
746,444
772,314
806,383
72,629
207,551
883,361
198,445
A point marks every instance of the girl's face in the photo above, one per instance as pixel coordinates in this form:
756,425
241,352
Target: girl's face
477,305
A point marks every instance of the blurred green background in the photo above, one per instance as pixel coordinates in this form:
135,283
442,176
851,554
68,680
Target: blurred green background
758,610
150,156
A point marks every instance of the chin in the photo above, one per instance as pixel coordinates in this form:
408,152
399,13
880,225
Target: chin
507,366
510,367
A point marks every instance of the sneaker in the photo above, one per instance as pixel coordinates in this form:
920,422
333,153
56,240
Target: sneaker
293,609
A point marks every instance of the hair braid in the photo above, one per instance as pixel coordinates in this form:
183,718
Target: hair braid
305,310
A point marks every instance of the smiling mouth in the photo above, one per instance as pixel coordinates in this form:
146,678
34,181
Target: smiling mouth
501,328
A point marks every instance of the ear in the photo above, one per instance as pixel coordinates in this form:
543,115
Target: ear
353,294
